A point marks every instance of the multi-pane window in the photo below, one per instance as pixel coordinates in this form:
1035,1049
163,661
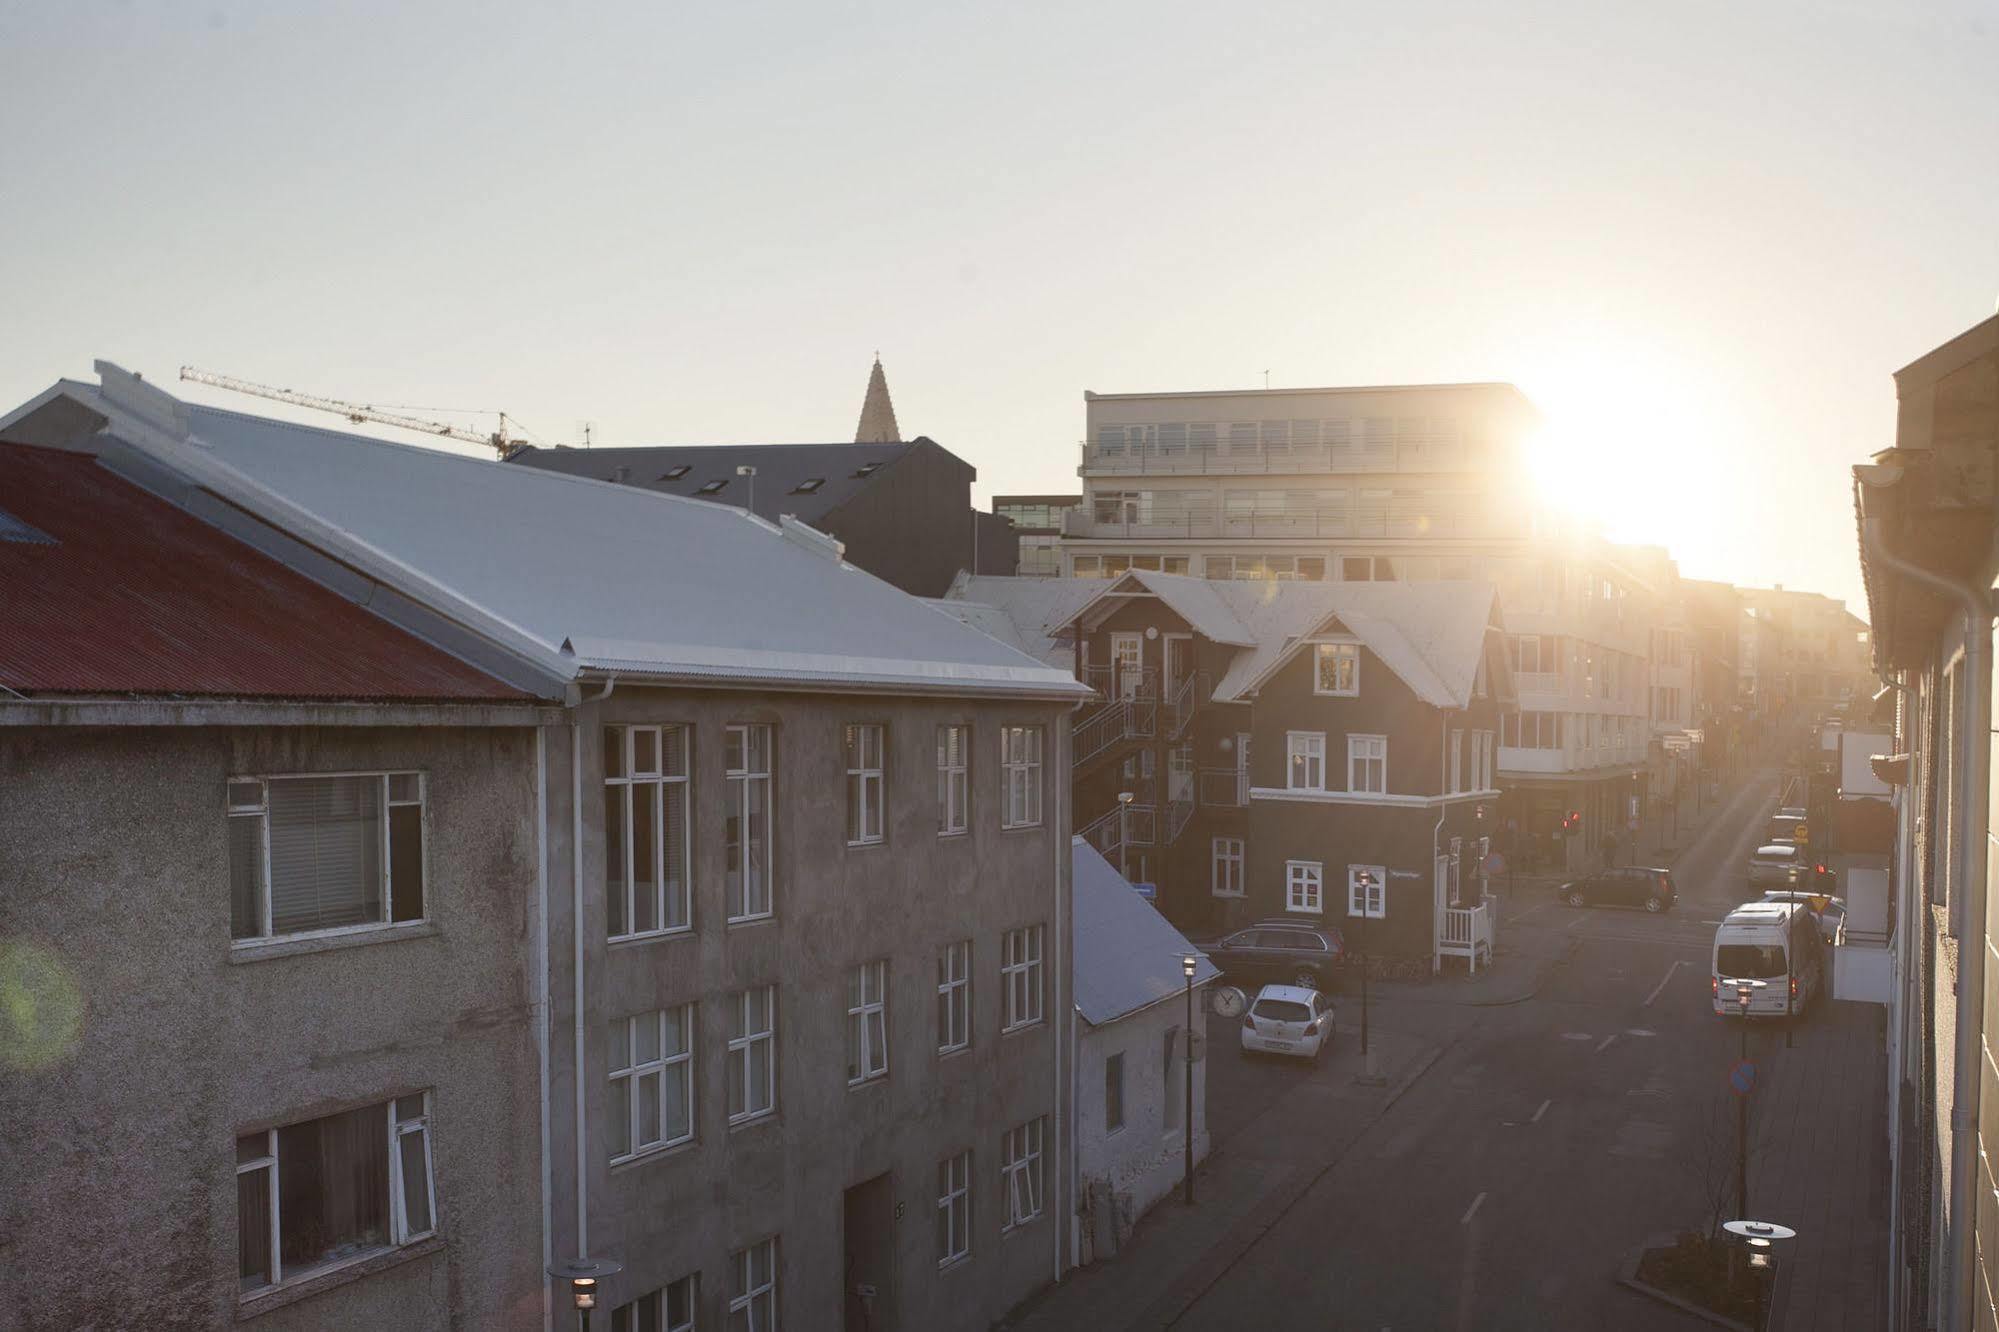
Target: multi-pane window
1020,762
1336,668
1020,1172
668,1309
646,873
867,1022
1531,730
1305,760
324,852
1367,763
753,1288
1225,867
747,849
752,1053
1457,753
954,1208
864,784
1487,742
954,997
652,1081
1367,891
1304,883
1020,976
1114,1093
317,1193
954,783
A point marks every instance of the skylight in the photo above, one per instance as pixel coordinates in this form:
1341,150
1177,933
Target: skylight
675,473
867,469
712,487
807,486
13,529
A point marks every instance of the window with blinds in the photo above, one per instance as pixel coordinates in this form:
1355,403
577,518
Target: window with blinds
320,852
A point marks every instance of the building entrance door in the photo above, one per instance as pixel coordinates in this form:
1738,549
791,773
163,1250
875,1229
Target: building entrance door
870,1266
1127,661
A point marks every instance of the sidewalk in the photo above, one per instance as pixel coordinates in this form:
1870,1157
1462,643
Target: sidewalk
1243,1189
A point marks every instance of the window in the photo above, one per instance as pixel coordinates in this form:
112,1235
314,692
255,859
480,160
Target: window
317,1193
1225,867
1487,743
809,485
674,473
1020,977
753,1287
1020,759
646,873
1531,730
1367,763
954,997
1304,881
954,1208
711,487
867,1022
748,860
752,1053
954,789
1305,760
652,1081
333,852
1457,754
668,1309
864,785
1367,891
1114,1093
1020,1172
1337,669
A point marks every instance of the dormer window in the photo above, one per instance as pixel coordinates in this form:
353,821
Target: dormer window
809,485
712,487
675,473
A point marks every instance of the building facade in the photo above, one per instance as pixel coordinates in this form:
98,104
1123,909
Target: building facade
1038,520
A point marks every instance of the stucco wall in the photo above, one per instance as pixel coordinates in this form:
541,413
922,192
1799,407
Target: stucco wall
117,1182
1146,1157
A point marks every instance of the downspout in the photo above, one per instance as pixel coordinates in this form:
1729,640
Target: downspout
1063,857
576,933
1437,845
1969,887
541,1017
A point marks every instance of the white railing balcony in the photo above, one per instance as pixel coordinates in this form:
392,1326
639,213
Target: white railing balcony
1170,457
1203,522
1466,932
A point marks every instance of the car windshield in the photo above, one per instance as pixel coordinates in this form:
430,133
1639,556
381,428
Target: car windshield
1282,1010
1749,961
1777,854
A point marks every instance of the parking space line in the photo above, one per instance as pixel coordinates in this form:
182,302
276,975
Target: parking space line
1600,1045
1465,1220
1542,1111
1681,962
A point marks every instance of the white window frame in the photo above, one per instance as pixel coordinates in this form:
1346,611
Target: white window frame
238,807
954,997
1021,978
954,780
865,785
954,1208
1305,886
745,1290
625,1317
627,1078
748,901
1021,1175
1363,750
1020,766
656,786
867,1022
1309,749
1346,656
1457,757
1376,905
752,1045
1225,866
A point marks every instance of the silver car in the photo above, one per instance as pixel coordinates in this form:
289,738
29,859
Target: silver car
1777,865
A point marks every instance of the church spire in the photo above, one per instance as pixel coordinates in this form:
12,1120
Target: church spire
877,412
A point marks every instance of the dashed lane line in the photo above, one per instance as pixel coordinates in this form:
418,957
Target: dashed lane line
1678,963
1542,1111
1605,1042
1472,1210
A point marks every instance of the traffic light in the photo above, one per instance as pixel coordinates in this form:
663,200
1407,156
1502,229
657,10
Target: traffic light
1572,823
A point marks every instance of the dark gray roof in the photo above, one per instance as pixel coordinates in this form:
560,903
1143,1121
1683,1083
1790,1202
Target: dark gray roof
781,469
1127,954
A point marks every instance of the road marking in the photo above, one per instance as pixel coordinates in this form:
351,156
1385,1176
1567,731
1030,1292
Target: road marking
1575,1035
1714,922
1662,982
1600,1045
1465,1220
1577,922
1542,1111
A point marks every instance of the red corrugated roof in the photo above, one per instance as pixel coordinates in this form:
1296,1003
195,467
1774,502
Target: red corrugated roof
131,595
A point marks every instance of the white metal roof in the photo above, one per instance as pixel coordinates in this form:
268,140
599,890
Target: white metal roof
581,575
1036,608
1127,954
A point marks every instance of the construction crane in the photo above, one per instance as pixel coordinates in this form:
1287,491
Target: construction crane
359,412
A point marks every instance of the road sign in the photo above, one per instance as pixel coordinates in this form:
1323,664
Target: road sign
1495,863
1742,1077
1801,834
1148,891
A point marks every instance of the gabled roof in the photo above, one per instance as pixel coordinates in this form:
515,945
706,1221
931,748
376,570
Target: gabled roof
785,477
1034,610
575,576
110,589
1127,954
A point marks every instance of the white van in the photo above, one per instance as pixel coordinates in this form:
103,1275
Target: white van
1777,943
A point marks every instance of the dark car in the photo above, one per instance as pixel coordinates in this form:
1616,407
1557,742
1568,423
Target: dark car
1632,886
1783,828
1278,952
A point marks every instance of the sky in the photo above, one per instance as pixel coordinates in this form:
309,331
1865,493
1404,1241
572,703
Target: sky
1701,236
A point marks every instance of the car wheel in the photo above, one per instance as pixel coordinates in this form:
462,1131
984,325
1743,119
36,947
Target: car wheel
1575,899
1306,980
1654,905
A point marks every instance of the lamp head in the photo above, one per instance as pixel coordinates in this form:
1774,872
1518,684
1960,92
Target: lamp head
1188,964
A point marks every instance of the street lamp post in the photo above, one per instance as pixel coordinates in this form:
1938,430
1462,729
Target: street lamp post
1187,968
1364,879
1745,990
1123,834
583,1274
1759,1237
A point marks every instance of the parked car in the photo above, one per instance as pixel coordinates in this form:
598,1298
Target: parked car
1791,812
1288,1019
1279,952
1632,886
1831,916
1776,865
1783,827
1777,943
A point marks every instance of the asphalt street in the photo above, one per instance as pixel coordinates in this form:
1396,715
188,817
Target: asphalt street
1551,1137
